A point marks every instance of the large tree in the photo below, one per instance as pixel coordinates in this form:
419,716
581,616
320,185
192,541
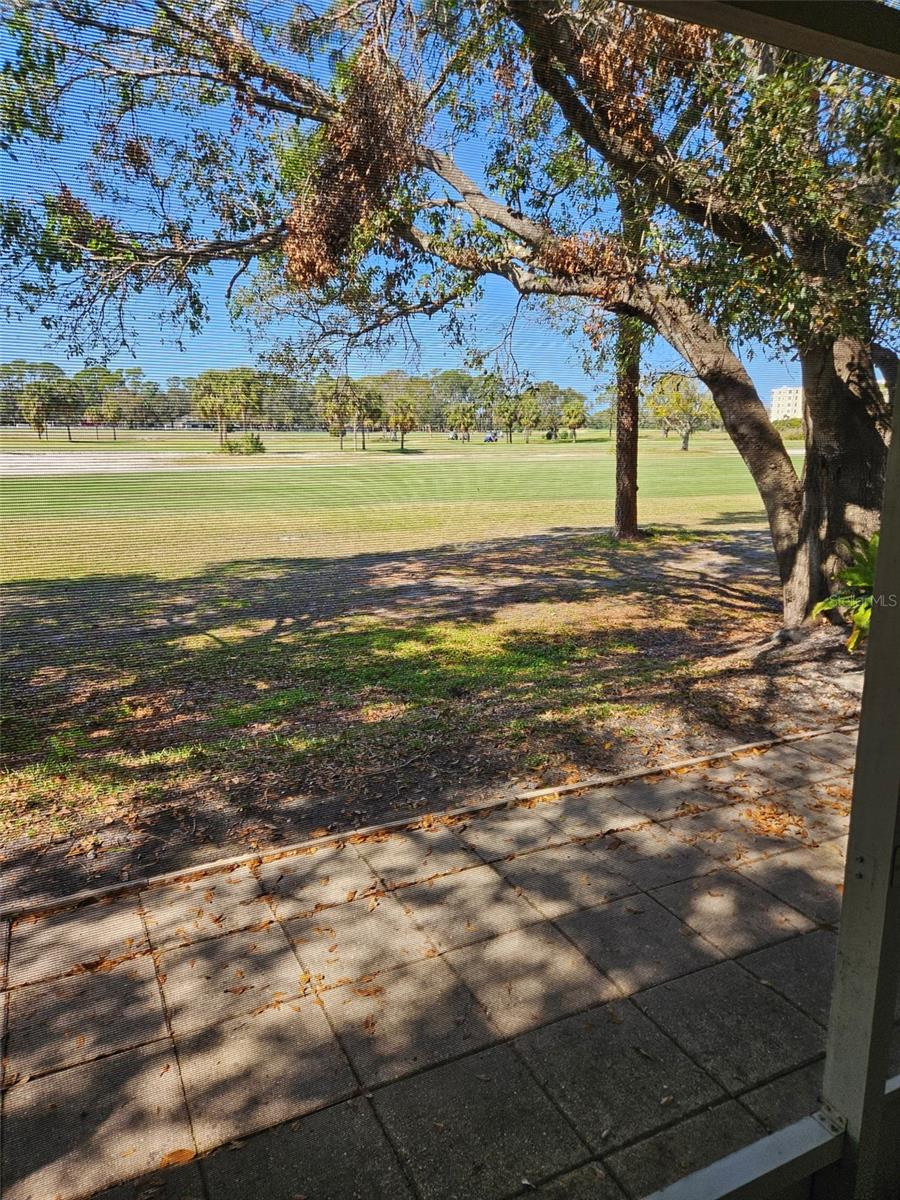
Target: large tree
68,404
574,416
768,181
506,414
529,413
333,402
14,378
775,180
248,390
36,404
635,214
366,406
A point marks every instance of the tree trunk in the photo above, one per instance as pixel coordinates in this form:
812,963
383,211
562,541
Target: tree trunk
628,380
755,438
845,433
363,432
686,439
855,364
115,438
402,439
574,433
68,431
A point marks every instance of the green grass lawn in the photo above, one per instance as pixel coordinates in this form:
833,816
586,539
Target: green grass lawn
196,441
361,627
175,521
200,441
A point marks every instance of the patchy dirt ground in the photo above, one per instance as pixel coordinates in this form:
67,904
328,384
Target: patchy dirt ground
155,723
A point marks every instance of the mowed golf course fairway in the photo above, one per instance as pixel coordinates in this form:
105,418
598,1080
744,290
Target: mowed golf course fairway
306,497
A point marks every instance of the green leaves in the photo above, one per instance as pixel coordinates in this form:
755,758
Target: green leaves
27,83
857,597
676,402
297,153
195,136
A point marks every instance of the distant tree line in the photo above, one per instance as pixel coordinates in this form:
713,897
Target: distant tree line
457,402
42,395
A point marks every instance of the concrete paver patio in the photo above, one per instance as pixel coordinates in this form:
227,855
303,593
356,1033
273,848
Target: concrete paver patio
585,997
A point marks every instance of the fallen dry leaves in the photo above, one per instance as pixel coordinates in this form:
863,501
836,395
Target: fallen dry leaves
771,820
176,1157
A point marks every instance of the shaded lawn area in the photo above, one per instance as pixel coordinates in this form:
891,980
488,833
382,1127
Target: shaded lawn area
200,662
270,698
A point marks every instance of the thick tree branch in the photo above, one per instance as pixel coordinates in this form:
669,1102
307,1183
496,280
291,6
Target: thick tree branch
480,205
550,42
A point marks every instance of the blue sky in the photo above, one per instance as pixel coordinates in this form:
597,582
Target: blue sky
540,351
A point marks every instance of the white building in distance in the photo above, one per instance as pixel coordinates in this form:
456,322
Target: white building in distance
787,404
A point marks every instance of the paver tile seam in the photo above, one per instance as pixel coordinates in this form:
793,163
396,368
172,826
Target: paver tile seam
172,1038
366,1091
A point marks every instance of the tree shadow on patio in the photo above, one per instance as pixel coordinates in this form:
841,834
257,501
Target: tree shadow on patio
497,1018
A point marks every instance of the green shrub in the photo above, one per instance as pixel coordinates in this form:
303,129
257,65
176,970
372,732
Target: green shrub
250,443
792,428
857,594
564,436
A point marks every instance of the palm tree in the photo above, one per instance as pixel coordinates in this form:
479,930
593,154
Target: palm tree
529,414
365,408
336,412
404,417
214,400
574,416
247,393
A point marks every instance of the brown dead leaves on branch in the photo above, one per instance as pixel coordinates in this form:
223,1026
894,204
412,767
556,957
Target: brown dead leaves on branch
367,149
135,154
603,261
603,258
647,52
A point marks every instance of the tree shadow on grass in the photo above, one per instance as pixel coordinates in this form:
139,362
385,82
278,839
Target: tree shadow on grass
49,620
259,701
746,517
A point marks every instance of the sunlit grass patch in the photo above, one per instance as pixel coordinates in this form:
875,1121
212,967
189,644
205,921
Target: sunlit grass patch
357,694
271,706
169,756
49,798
